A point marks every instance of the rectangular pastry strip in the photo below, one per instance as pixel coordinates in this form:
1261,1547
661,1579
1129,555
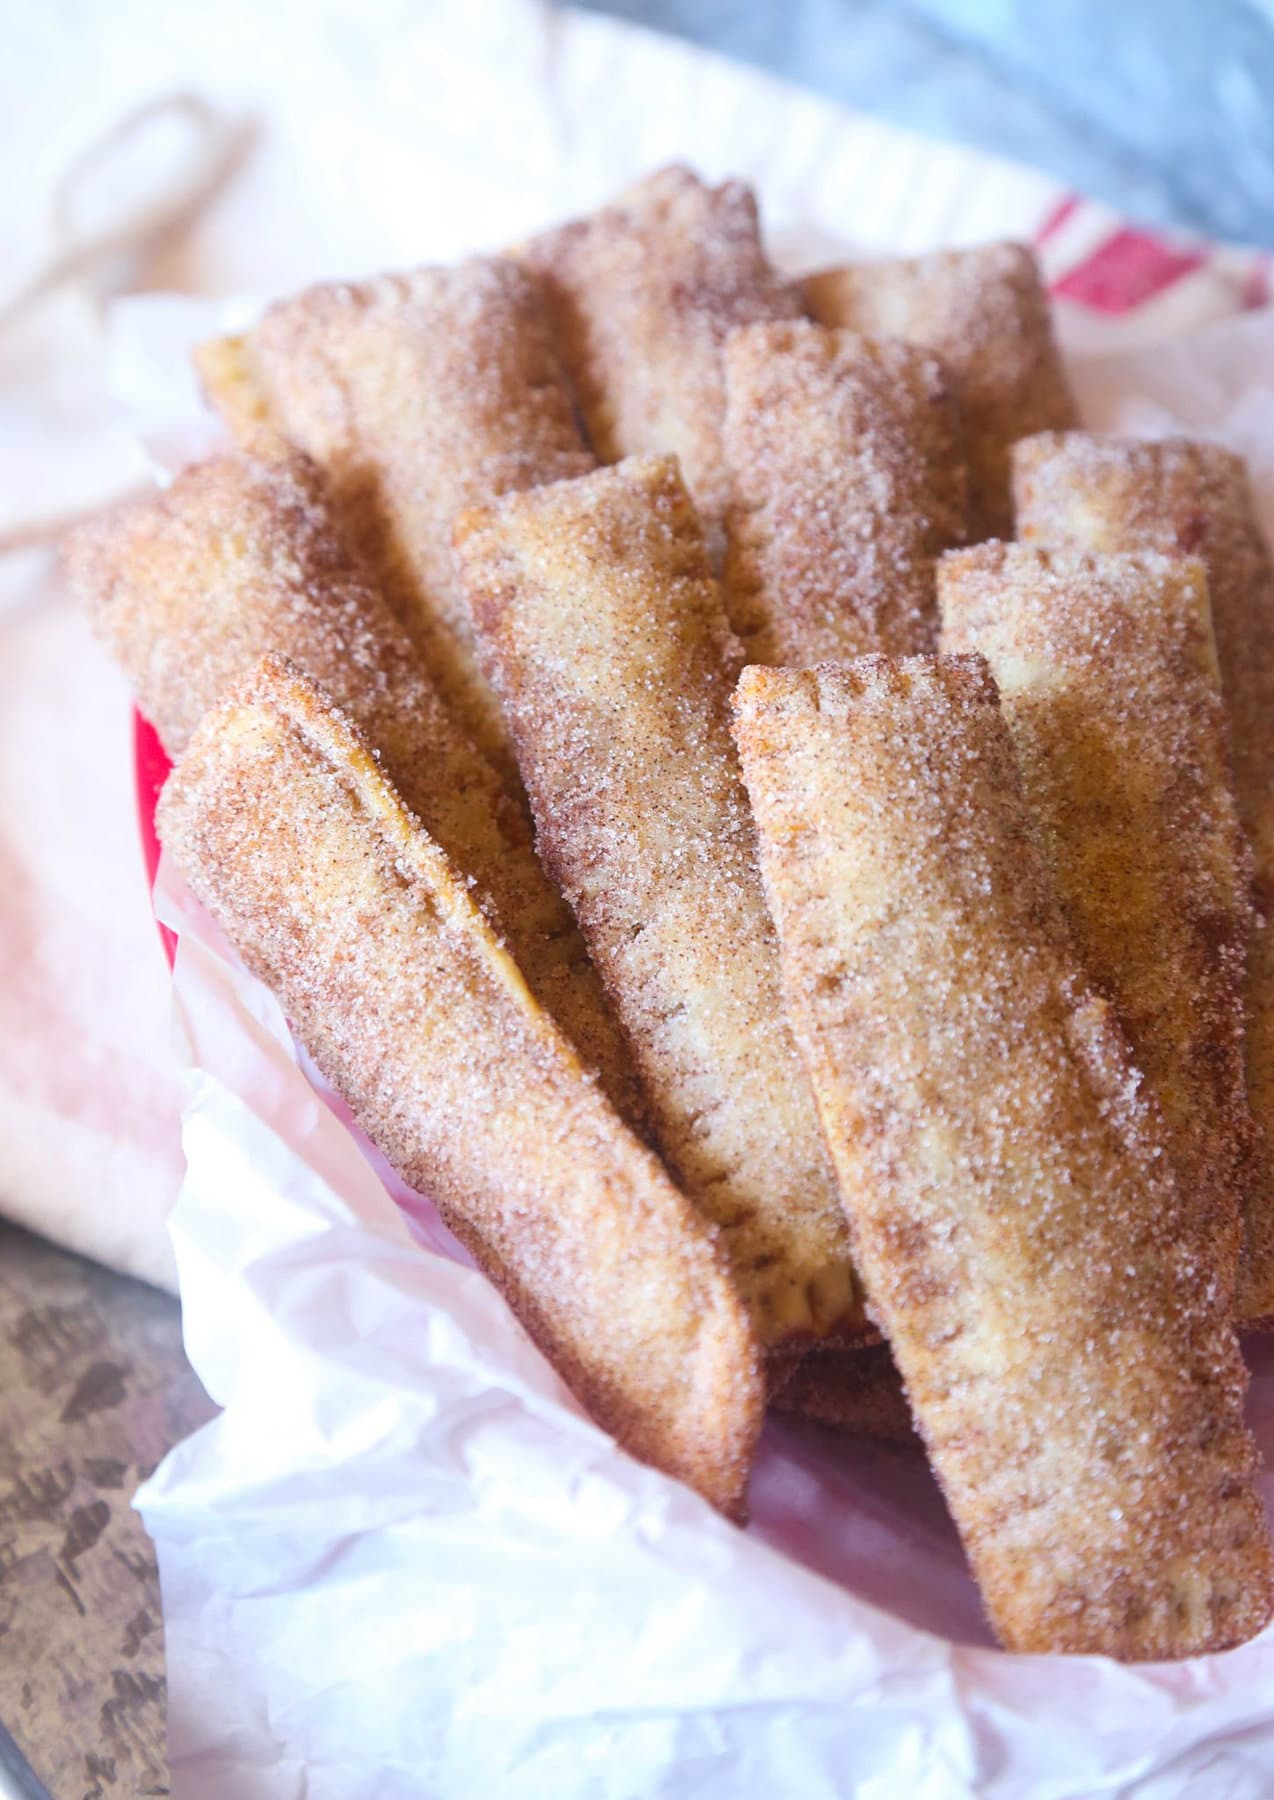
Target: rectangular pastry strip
288,831
847,482
644,293
1015,1218
1075,491
1109,684
240,558
417,394
606,638
985,312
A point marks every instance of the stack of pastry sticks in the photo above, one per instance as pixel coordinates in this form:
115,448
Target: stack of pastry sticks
811,948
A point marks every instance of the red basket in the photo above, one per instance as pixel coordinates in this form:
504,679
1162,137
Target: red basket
151,764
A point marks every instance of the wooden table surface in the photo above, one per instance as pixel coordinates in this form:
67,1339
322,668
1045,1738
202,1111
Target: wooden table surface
96,1389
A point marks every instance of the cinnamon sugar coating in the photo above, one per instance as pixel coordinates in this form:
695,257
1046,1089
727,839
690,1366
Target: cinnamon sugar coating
605,635
239,557
643,294
337,898
1015,1217
1187,498
985,312
417,394
1109,684
847,481
855,1391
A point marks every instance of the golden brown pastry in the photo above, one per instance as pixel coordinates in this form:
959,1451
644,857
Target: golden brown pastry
417,394
985,312
644,293
334,895
847,481
1016,1221
856,1391
1108,680
239,557
605,635
1183,498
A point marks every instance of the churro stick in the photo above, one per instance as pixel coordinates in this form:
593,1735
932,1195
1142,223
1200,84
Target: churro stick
335,896
605,635
847,481
1108,679
417,394
1183,498
855,1391
1015,1217
985,312
643,294
238,558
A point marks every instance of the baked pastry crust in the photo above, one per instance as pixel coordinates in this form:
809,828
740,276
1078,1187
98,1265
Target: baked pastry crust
985,312
417,395
847,482
643,295
857,1391
1180,497
1015,1218
286,828
240,557
1109,684
606,638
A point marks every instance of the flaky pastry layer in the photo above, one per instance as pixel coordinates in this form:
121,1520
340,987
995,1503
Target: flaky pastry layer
644,293
1108,679
605,635
1015,1218
239,558
417,394
986,313
847,481
286,828
1185,498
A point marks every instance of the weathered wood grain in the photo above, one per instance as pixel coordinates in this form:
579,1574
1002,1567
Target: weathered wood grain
95,1390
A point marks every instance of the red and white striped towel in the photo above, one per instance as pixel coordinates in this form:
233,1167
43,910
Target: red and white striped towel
1116,285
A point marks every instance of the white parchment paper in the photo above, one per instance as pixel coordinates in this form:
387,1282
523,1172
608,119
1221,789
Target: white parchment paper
403,1562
